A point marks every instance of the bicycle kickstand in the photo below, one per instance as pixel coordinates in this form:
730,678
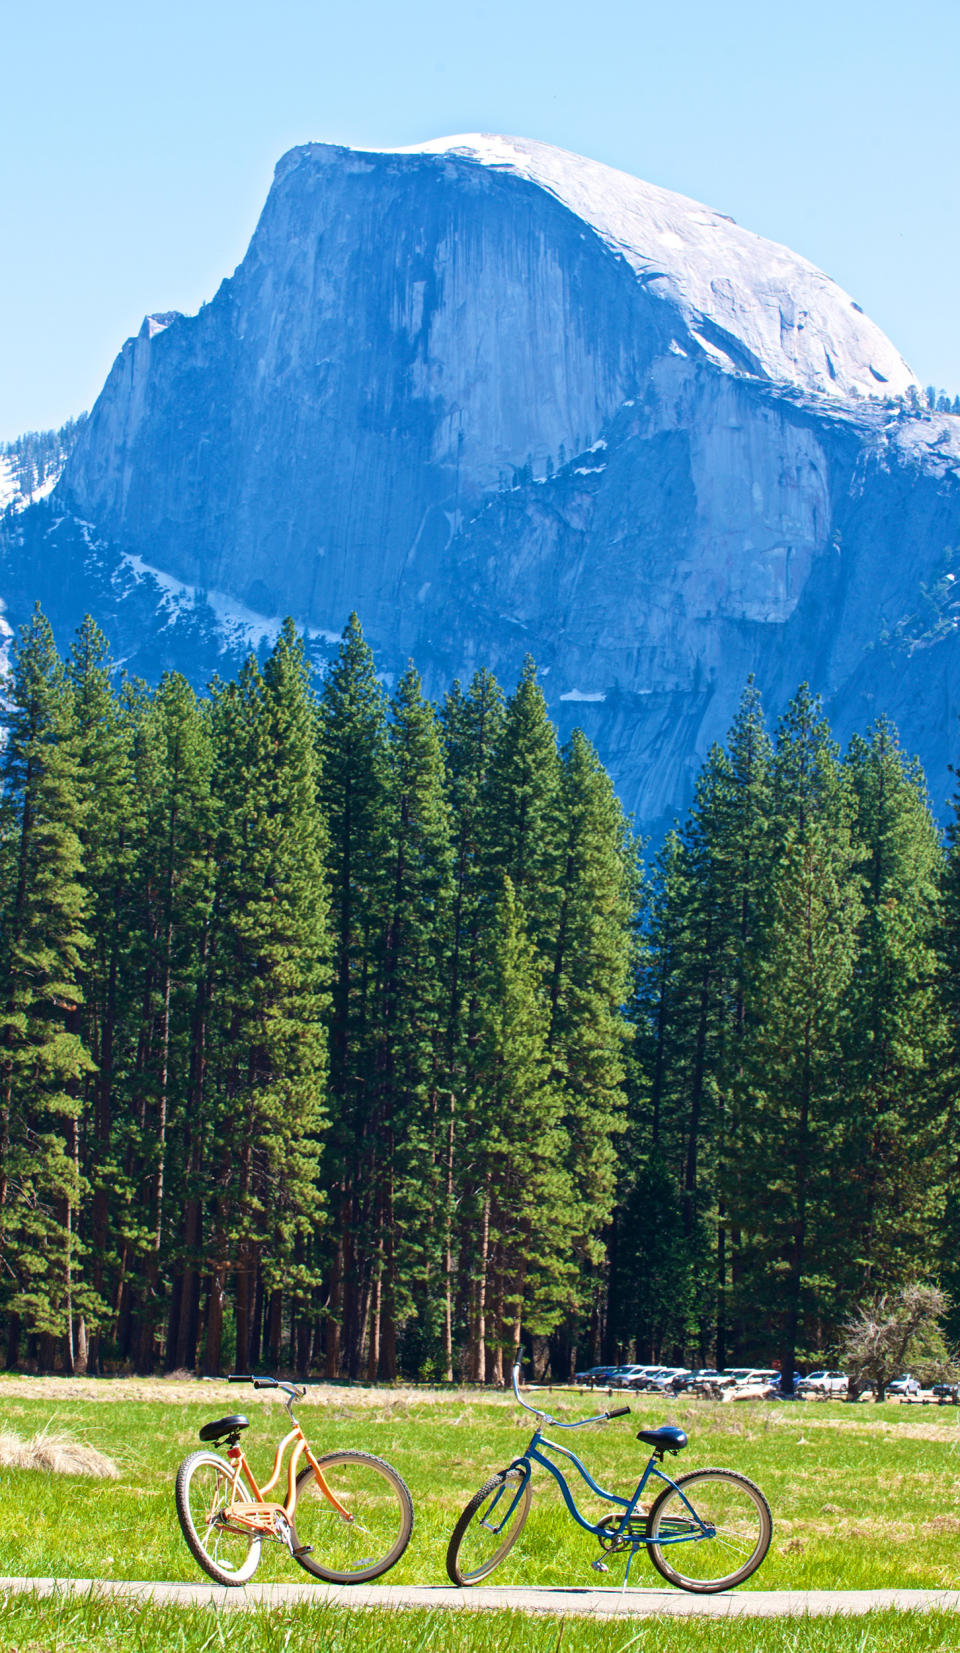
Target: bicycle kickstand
626,1575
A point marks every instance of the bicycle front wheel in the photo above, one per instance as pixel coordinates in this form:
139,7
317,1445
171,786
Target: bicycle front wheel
721,1543
367,1533
489,1527
227,1551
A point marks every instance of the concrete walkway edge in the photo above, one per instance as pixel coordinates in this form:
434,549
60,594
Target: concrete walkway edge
586,1602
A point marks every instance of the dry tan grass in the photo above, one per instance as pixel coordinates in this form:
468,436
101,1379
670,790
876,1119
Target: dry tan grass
190,1390
56,1454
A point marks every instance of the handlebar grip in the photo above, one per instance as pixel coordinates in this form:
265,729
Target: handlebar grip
240,1377
619,1412
265,1383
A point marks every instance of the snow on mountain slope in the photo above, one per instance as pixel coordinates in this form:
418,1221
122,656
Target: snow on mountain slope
11,493
748,303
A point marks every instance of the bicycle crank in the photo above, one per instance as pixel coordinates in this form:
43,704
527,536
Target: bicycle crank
613,1536
283,1532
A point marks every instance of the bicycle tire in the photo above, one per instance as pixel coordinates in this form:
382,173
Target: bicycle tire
469,1523
230,1557
741,1515
383,1524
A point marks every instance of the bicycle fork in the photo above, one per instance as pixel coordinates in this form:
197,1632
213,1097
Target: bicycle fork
525,1472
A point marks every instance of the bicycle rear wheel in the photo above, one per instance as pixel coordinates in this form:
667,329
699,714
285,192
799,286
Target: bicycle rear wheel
738,1526
228,1552
371,1537
489,1527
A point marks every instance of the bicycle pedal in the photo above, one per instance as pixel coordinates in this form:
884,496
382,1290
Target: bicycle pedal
303,1549
599,1566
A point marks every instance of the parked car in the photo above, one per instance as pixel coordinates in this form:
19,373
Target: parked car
625,1374
823,1384
699,1381
646,1377
669,1377
948,1394
592,1374
905,1385
621,1377
760,1383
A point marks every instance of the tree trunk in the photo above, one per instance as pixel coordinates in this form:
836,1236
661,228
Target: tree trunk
274,1328
373,1355
448,1253
480,1323
215,1301
332,1329
242,1357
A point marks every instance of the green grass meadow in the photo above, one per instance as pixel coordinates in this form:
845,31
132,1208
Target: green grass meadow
31,1626
862,1498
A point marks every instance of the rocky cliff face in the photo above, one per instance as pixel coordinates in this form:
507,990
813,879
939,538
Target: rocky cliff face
500,399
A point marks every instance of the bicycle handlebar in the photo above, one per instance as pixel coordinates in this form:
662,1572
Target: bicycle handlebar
294,1390
601,1417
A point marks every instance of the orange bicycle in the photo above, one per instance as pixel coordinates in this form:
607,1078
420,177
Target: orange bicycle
347,1518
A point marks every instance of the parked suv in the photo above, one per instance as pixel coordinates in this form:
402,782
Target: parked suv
823,1384
905,1385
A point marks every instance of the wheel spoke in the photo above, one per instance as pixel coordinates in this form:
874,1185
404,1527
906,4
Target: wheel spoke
375,1530
488,1528
737,1520
228,1551
210,1491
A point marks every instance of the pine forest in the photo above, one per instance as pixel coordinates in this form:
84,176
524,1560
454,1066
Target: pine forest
348,1035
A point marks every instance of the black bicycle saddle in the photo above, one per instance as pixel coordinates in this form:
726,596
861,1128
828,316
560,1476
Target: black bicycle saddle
668,1438
224,1426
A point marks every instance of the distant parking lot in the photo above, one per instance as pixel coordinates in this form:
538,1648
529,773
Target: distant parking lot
753,1382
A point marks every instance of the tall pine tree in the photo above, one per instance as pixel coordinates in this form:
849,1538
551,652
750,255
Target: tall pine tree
44,1061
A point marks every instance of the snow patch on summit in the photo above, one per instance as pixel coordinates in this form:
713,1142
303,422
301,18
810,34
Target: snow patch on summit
748,304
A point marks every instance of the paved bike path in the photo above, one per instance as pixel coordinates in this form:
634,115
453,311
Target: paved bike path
586,1602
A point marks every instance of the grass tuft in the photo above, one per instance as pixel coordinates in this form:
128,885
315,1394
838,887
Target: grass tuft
56,1454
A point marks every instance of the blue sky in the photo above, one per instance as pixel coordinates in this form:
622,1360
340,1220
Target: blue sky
138,144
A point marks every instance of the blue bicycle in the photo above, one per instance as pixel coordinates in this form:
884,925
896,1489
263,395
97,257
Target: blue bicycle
706,1531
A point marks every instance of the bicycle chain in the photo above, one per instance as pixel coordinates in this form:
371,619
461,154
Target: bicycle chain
611,1541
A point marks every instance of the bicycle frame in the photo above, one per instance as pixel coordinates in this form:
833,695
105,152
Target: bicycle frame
259,1514
620,1533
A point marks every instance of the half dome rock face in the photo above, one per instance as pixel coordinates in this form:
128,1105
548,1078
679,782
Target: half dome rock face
405,334
498,399
743,302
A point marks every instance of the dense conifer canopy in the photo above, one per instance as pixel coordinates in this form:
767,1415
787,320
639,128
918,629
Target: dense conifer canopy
346,1034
